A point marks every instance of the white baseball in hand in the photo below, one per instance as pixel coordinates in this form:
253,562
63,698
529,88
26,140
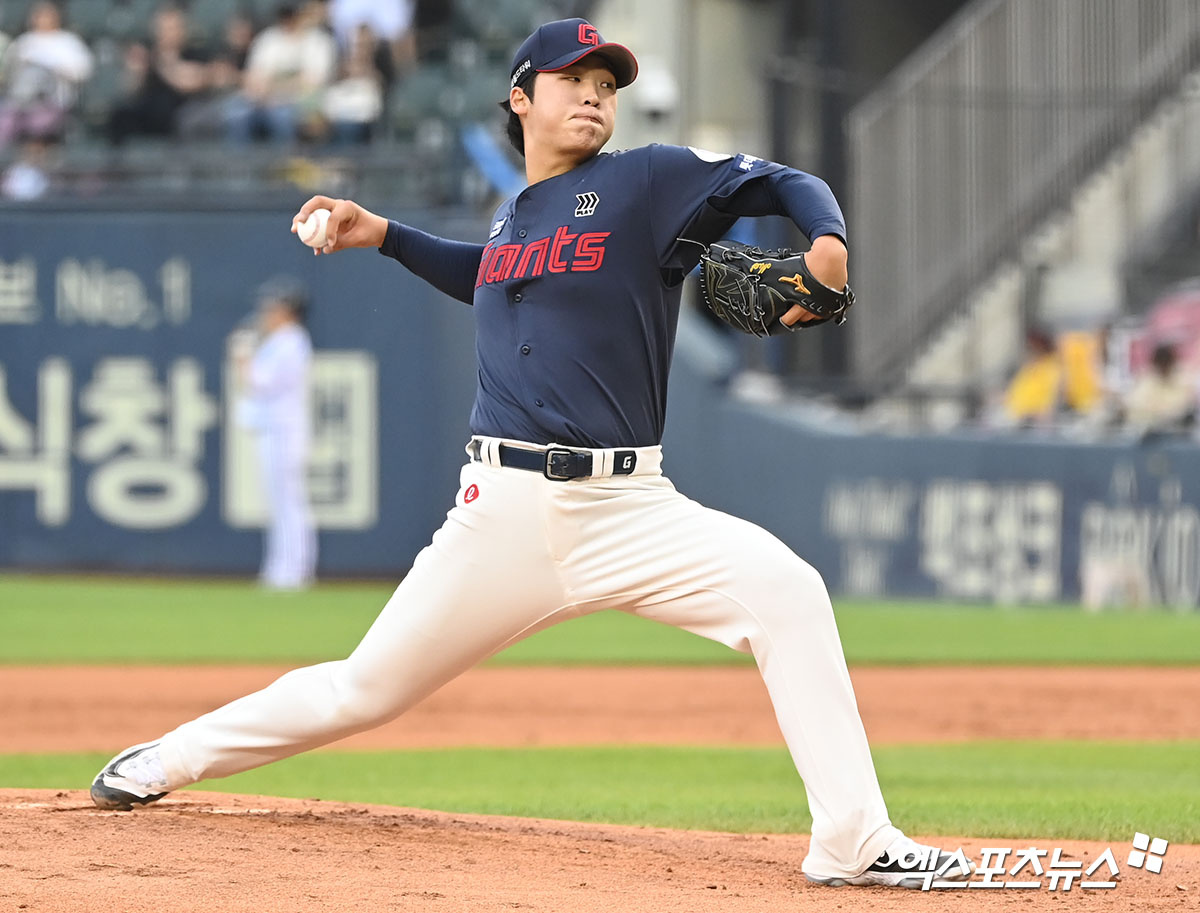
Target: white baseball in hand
312,230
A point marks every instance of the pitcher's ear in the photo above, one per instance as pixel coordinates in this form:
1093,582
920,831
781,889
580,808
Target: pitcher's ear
518,101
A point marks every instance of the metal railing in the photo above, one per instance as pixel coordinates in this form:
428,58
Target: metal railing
159,173
983,134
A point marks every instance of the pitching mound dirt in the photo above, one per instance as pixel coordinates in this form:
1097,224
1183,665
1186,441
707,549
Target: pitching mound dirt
214,852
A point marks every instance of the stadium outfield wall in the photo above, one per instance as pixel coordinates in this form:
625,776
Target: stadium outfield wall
120,450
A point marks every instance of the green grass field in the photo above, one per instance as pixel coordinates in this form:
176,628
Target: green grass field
122,621
1083,790
1046,789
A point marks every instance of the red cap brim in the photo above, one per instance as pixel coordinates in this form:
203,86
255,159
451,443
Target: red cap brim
623,64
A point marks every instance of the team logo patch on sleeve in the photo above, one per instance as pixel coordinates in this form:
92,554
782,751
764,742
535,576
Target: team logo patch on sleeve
705,156
587,203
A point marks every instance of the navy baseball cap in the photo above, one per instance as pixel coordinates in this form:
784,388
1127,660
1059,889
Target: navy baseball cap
557,45
286,290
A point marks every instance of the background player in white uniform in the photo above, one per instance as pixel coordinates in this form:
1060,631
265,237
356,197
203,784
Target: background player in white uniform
274,405
563,508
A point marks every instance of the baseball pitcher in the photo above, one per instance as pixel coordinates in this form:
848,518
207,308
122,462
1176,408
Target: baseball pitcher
563,508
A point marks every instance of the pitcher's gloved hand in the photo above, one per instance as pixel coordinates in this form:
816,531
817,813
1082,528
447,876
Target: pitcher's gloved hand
750,289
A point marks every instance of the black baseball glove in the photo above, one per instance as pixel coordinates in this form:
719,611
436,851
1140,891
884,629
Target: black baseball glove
750,288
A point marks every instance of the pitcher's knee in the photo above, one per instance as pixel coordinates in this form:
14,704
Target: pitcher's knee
792,591
360,704
792,575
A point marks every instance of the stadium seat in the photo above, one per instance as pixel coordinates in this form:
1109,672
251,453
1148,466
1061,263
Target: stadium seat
208,19
263,11
130,20
122,20
14,16
99,94
87,18
483,92
424,93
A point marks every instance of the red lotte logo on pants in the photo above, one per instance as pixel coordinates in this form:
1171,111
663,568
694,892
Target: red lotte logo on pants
470,494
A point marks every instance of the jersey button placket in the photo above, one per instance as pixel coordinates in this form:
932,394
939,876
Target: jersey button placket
525,350
517,297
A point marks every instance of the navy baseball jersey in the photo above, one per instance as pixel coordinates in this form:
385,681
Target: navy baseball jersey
577,289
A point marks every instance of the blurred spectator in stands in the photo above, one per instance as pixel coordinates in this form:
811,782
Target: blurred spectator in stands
205,117
40,75
1082,355
28,177
1163,399
229,62
289,66
1035,391
315,14
390,20
161,80
354,103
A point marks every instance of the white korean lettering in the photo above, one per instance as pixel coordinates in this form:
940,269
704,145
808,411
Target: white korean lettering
147,440
1031,857
993,540
176,278
35,455
1105,858
1063,872
18,291
991,866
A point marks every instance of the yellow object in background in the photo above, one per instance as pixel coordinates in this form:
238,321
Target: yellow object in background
1033,391
1080,355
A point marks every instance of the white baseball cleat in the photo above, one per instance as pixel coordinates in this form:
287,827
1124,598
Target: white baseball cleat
134,777
904,864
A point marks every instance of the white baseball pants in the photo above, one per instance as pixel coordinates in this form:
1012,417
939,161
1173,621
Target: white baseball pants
519,553
290,539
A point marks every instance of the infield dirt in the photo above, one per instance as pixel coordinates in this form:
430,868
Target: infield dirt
100,708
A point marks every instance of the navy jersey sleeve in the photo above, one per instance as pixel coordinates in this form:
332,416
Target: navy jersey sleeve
698,195
449,266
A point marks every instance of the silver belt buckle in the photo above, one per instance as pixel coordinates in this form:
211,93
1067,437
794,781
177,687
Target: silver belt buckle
558,461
